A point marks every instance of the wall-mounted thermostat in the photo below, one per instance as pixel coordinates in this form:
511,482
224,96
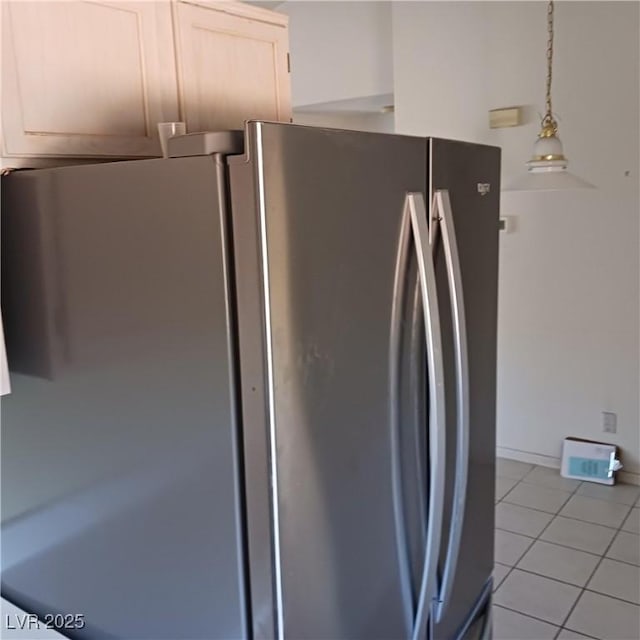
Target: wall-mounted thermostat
508,117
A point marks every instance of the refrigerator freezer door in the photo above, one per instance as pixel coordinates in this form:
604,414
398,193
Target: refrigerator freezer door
461,168
120,480
317,217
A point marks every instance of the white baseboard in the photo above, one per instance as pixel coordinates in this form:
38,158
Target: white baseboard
527,456
627,477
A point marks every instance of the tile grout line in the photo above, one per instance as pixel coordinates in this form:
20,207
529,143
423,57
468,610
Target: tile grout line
506,575
579,632
577,586
527,615
551,513
534,540
538,538
555,514
608,595
591,553
564,504
514,566
573,491
602,557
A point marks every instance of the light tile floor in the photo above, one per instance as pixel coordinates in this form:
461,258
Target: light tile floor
567,557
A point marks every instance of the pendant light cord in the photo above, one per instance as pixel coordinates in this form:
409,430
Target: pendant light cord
549,125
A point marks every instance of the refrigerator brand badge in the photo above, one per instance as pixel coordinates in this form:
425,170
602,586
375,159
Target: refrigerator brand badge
484,188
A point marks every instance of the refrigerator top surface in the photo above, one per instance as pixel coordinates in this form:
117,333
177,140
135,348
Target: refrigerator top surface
232,142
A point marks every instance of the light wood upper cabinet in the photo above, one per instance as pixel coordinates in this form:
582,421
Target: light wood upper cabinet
232,64
92,78
86,78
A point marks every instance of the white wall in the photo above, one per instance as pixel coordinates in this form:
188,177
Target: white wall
568,310
339,50
376,122
440,67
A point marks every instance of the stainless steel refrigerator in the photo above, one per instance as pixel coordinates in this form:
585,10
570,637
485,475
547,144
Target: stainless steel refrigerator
253,389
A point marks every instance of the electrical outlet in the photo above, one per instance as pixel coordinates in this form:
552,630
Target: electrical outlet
609,422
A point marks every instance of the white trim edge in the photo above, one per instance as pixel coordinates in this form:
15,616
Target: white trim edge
629,477
275,495
526,456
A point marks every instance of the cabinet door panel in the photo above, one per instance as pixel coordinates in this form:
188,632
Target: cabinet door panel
232,65
86,78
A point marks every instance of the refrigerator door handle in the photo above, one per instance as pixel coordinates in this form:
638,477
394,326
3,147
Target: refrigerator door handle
442,216
417,385
395,348
414,208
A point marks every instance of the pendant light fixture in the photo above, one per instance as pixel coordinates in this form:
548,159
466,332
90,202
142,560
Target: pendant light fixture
547,169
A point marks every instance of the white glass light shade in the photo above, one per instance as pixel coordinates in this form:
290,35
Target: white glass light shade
548,147
547,169
552,179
